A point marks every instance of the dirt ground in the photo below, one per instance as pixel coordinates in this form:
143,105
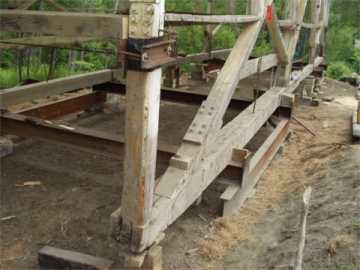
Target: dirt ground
79,191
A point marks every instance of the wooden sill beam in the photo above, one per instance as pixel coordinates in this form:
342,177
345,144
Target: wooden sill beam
41,41
19,94
62,23
176,19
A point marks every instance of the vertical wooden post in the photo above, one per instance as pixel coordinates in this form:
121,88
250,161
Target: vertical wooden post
146,21
255,7
52,64
315,33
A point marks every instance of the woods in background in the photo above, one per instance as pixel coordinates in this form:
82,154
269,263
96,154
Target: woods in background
341,55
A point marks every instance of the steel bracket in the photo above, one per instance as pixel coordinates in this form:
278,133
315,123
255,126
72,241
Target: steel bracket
148,54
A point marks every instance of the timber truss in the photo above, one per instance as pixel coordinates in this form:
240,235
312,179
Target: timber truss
209,146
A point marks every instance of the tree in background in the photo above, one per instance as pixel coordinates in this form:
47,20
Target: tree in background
341,55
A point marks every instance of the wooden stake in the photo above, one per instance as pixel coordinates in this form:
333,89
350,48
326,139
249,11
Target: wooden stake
305,213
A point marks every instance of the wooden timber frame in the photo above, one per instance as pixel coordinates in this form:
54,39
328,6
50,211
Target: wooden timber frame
209,147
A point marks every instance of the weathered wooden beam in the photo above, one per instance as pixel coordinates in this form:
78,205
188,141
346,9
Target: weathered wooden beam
291,24
291,38
276,35
43,41
60,108
89,140
16,95
146,21
55,258
56,5
176,19
209,117
200,57
62,23
27,4
314,42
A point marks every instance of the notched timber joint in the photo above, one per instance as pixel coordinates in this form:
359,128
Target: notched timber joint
148,54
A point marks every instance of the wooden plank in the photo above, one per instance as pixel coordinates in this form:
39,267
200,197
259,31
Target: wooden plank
176,19
50,131
62,23
57,109
55,258
16,95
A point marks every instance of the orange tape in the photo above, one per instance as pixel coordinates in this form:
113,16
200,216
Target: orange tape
269,13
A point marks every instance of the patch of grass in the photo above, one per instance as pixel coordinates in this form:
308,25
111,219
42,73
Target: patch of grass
344,267
356,224
8,78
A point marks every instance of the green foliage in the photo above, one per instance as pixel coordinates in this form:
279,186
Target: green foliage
8,78
343,30
85,66
338,70
225,38
344,267
342,57
356,224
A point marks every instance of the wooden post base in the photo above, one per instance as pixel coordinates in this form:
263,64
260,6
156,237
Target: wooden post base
6,147
149,260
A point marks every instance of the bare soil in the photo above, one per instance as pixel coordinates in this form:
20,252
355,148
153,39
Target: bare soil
79,191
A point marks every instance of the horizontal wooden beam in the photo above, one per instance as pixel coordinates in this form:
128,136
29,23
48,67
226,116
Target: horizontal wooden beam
55,258
69,105
193,19
29,125
42,41
291,24
16,95
62,23
200,57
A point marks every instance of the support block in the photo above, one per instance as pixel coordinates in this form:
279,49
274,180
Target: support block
54,258
6,147
115,223
148,260
355,126
233,197
153,260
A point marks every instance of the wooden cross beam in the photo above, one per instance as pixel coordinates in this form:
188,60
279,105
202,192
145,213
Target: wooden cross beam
63,23
178,19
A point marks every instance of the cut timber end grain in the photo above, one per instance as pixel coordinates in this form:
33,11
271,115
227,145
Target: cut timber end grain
54,258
